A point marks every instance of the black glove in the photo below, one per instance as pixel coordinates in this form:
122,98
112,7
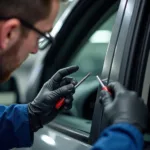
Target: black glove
42,110
126,107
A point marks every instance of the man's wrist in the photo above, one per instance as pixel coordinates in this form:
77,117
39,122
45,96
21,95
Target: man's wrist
34,120
35,123
131,122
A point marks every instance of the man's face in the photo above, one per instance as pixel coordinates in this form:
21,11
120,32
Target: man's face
15,47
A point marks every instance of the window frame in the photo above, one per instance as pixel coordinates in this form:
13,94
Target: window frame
128,51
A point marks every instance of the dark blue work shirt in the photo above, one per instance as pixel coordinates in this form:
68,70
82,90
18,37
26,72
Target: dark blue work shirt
14,127
121,136
15,132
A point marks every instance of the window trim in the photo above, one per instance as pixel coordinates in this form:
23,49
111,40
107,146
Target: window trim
126,43
146,87
98,111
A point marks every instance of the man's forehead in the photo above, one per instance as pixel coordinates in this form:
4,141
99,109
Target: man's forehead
44,26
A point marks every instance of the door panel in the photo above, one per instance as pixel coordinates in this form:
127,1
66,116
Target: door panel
49,139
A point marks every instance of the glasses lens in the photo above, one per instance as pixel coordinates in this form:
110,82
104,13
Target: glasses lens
44,42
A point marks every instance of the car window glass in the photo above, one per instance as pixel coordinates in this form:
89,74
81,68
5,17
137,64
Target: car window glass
90,57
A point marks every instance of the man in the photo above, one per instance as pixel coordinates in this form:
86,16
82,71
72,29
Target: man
22,22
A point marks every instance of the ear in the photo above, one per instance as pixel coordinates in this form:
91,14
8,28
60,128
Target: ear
9,33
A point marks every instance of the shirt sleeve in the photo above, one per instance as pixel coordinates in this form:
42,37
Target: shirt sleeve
14,127
120,137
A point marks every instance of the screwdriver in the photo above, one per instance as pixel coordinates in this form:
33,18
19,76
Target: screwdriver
105,88
61,102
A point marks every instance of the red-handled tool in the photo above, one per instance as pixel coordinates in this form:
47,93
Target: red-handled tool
61,102
105,88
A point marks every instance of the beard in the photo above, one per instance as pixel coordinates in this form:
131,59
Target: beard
6,71
6,74
9,62
5,77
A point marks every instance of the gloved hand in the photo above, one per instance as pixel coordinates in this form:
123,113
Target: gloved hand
125,107
42,110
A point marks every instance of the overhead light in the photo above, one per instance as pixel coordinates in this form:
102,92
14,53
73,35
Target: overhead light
101,36
48,140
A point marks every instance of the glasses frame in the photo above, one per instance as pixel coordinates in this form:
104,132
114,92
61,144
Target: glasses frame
30,26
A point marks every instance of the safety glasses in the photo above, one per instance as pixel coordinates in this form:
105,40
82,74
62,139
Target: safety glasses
44,41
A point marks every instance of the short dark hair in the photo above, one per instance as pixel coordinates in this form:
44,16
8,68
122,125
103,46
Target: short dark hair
29,10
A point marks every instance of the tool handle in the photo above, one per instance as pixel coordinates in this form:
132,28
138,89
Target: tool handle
60,103
105,88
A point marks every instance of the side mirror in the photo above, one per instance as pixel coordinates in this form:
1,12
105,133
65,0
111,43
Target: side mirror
9,93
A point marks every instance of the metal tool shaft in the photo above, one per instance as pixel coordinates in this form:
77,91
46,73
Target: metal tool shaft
100,81
83,80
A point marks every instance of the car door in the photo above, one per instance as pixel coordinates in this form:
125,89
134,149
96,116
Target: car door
131,61
83,40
